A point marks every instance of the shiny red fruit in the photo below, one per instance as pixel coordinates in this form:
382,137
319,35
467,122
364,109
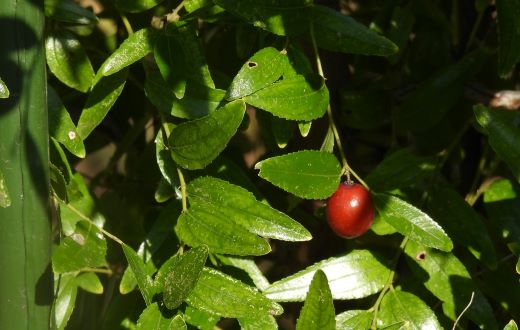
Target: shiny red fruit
350,211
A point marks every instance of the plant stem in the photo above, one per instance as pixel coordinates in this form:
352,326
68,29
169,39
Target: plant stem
174,15
97,270
127,25
346,167
183,190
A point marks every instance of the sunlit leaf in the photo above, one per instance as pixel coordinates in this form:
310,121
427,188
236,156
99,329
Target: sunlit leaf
138,267
318,309
4,91
354,319
90,282
153,319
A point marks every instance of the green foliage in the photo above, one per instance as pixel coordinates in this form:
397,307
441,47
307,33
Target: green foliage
182,150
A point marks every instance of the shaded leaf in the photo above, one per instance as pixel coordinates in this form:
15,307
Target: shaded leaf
282,130
318,309
58,182
89,282
135,6
508,12
4,91
240,206
100,100
85,248
249,266
412,222
68,11
337,32
61,126
68,61
357,274
165,162
196,143
158,91
400,306
198,101
287,18
144,281
401,26
354,319
152,319
220,294
5,199
192,5
503,135
365,109
199,226
307,174
296,98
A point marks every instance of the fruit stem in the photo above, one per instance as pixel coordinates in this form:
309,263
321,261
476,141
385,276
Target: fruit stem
347,170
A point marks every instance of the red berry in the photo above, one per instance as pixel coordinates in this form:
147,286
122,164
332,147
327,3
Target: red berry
350,211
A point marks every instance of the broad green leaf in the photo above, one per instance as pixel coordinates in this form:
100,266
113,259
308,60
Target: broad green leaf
354,319
220,294
135,47
135,6
400,306
68,61
85,248
165,162
138,267
249,266
89,282
337,32
412,222
157,91
61,126
261,70
264,322
503,135
199,226
195,144
69,12
508,12
198,101
400,169
283,130
318,309
4,91
240,206
462,223
448,279
297,98
287,18
201,320
511,325
65,300
304,127
433,99
502,204
100,100
357,274
5,199
307,174
153,319
182,276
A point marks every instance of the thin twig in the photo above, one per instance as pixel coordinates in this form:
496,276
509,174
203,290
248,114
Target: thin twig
464,311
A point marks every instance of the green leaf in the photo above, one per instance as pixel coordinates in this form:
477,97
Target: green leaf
134,48
85,248
503,135
296,98
307,174
144,281
354,319
400,169
448,279
165,162
153,319
287,18
328,142
135,6
261,70
433,99
304,127
401,26
462,223
129,282
357,274
220,294
199,226
501,284
240,206
511,325
5,199
158,91
400,306
508,12
68,61
89,282
100,100
318,310
65,300
282,130
182,276
195,144
58,182
4,92
264,322
69,12
412,222
502,204
192,5
200,319
249,266
61,126
198,101
337,32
